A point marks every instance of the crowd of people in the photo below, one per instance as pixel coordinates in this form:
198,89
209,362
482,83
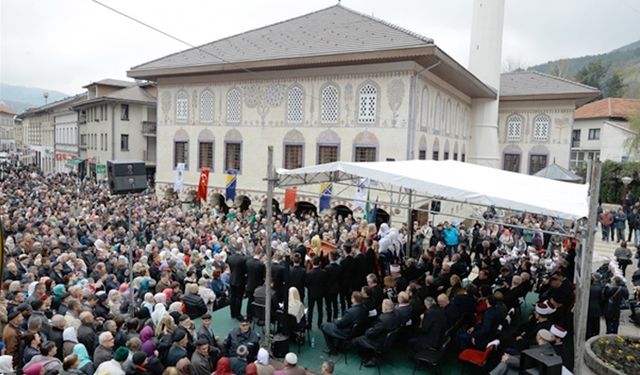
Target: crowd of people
73,303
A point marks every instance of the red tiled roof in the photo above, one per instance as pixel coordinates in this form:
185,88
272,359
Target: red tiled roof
609,107
5,109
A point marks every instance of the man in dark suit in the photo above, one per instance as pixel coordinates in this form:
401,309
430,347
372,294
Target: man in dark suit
206,332
348,265
255,276
374,337
479,336
238,281
375,290
297,274
451,311
403,311
334,273
278,269
432,329
315,282
359,278
342,328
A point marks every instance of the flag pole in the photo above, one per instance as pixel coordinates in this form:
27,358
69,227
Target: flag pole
270,187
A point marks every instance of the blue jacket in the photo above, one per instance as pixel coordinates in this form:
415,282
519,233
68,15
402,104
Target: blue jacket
451,236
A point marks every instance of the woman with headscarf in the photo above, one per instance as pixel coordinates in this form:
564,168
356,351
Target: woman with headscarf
296,310
148,302
223,367
146,338
34,369
159,311
85,364
6,365
114,301
69,340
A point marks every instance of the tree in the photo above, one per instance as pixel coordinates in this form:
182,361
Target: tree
615,86
633,142
593,74
559,68
513,65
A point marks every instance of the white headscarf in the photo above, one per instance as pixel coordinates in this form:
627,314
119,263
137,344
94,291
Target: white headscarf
69,334
158,312
296,308
6,364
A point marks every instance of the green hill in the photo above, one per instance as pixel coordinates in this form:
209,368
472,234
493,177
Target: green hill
624,60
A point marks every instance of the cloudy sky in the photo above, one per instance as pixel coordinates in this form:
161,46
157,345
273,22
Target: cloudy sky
65,44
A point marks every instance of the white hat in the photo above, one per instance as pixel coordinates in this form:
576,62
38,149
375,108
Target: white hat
291,358
543,308
263,356
546,335
558,331
395,268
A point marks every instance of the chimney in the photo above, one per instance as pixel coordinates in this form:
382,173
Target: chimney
485,61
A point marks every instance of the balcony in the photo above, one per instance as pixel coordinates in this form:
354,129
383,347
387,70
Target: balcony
149,128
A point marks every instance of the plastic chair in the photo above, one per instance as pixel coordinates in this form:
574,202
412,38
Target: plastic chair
389,340
478,358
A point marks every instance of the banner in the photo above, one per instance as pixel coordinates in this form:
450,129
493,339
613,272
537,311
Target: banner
326,189
290,198
178,186
374,212
232,177
203,186
101,172
362,191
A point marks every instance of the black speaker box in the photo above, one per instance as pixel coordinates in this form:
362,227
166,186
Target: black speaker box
126,176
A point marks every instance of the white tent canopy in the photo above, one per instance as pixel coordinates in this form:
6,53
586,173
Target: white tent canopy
457,181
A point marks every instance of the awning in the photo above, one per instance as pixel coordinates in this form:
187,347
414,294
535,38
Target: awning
74,162
459,182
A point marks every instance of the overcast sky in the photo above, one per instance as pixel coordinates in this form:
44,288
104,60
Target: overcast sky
65,44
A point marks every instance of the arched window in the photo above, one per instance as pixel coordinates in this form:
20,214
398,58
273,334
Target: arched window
514,128
367,104
511,158
437,116
295,105
365,147
541,124
206,106
234,106
424,110
293,145
448,118
206,147
233,151
181,149
182,106
329,99
436,150
328,143
422,148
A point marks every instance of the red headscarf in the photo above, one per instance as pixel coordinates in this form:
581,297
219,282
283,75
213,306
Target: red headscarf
223,367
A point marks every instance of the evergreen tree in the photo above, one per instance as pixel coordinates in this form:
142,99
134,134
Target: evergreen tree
615,86
593,74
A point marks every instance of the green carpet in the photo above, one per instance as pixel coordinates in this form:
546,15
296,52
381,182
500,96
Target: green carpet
312,358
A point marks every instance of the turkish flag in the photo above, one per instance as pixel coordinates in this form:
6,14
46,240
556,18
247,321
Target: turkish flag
203,185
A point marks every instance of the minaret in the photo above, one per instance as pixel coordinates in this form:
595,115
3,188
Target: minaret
485,61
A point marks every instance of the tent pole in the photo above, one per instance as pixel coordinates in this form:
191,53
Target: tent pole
267,281
410,228
583,271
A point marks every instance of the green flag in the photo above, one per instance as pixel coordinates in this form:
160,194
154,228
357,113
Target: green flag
367,209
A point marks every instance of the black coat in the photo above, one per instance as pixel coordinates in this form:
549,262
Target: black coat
487,330
381,327
342,327
238,267
433,328
596,300
87,336
194,305
377,295
297,277
359,278
334,273
316,281
256,271
348,265
403,313
204,333
56,337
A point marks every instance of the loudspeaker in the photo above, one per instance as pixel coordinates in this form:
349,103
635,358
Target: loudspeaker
126,176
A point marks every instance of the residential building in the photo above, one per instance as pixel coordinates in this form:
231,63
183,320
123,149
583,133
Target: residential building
340,85
117,121
7,129
38,125
535,119
65,120
600,131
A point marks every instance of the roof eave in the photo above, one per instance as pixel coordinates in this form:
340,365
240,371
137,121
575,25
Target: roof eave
113,100
551,96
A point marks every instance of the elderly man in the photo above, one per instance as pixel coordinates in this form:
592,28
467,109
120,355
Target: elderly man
114,366
11,335
432,328
104,351
291,366
243,335
87,332
194,304
373,339
201,362
57,327
342,328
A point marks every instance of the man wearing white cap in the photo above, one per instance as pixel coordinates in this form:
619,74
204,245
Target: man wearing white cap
526,334
262,363
291,366
559,333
